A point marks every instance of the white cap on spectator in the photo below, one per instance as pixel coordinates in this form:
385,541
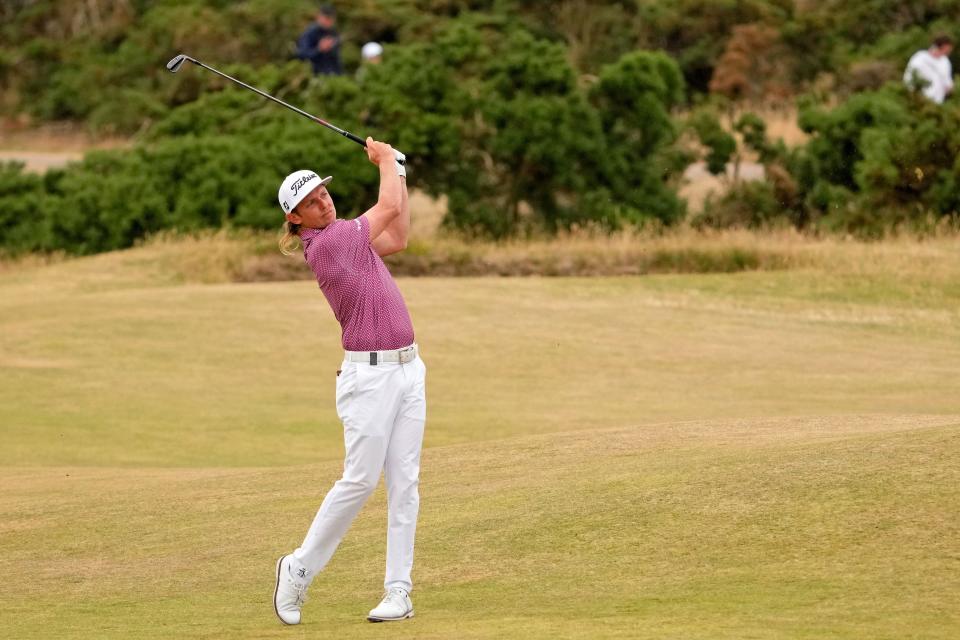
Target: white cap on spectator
371,50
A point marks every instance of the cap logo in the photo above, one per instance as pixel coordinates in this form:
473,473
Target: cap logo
286,205
295,187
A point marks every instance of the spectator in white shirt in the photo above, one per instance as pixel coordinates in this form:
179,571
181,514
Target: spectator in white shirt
929,70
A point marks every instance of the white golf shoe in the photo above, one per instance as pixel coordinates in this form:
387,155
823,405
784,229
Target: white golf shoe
290,593
396,605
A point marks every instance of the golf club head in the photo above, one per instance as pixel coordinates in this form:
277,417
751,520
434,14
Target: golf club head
174,65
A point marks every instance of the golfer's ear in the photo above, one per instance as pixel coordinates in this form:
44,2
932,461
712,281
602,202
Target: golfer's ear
294,218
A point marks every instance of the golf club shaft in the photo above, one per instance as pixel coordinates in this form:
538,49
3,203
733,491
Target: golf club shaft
266,95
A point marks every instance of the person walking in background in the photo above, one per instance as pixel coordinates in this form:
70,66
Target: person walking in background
930,71
320,43
381,388
371,53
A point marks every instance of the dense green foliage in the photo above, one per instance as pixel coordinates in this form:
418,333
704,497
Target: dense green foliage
881,160
525,115
512,139
515,142
97,60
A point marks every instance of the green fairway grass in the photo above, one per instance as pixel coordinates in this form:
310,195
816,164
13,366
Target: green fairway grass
752,455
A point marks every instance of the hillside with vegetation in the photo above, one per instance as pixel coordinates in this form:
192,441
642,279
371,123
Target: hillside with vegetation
528,117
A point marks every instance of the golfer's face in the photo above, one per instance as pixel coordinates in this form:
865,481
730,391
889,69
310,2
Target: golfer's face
317,210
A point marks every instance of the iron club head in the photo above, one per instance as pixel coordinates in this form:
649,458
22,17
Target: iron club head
174,65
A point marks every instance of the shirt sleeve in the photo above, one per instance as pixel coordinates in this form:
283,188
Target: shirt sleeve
356,234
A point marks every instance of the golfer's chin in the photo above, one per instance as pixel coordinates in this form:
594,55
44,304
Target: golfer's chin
326,220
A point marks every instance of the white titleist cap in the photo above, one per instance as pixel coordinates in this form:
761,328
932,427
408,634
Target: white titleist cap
371,50
296,186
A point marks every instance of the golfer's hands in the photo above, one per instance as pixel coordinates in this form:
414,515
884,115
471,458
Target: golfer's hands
380,152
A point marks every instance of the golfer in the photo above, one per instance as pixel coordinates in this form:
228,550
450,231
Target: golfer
381,397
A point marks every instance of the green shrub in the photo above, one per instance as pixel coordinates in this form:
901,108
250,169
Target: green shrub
513,140
836,144
746,205
113,198
21,195
881,160
528,116
719,144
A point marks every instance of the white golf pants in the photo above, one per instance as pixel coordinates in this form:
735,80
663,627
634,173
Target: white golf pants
383,408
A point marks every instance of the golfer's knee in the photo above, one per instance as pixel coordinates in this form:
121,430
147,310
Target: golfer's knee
402,486
361,485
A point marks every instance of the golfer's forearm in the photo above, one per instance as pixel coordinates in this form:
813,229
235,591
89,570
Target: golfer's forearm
391,190
400,226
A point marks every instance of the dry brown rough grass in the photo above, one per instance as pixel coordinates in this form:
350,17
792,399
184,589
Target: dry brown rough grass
244,256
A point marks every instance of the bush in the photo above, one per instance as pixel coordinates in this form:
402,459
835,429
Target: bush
836,143
746,205
21,197
881,160
868,75
114,198
527,117
719,144
513,140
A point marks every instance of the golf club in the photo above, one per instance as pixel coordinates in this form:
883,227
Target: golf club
177,61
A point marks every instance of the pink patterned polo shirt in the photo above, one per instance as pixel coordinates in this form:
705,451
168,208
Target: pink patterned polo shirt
362,293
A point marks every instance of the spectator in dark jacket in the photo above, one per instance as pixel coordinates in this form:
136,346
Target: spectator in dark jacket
320,43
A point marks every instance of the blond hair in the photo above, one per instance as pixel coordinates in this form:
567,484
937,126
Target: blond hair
290,238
